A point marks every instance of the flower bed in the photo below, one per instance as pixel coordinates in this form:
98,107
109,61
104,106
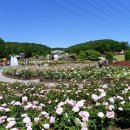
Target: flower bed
121,63
66,72
35,71
72,106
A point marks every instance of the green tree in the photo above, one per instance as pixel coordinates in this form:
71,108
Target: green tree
2,48
92,55
28,48
127,55
102,46
82,55
109,57
1,41
124,46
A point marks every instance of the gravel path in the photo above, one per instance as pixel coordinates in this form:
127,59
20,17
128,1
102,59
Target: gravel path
6,79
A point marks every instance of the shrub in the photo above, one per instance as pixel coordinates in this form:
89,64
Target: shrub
92,55
109,57
82,55
127,55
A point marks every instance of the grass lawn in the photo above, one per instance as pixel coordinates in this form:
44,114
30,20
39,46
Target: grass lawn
119,57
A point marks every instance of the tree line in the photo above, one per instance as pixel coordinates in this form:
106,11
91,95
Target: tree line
101,46
15,48
33,49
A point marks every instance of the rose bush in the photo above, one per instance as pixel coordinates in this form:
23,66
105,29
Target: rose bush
47,71
92,105
72,71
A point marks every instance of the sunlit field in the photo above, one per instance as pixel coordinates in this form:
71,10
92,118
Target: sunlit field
119,57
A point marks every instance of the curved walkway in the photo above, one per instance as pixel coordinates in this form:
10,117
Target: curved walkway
6,79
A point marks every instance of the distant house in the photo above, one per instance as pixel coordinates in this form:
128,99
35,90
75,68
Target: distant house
119,53
57,53
22,55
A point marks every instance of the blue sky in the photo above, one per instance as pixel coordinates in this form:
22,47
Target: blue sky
62,23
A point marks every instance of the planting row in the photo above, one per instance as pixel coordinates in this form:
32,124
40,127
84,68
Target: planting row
79,71
93,106
121,63
35,71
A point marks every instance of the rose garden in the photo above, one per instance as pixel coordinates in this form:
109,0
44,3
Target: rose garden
93,98
83,96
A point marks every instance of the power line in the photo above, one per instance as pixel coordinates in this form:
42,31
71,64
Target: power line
89,12
107,13
78,14
116,10
122,5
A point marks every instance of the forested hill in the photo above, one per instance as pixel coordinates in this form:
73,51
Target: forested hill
33,49
30,49
98,45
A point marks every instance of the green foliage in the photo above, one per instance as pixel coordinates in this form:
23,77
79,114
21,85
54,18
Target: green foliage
99,45
82,55
30,49
2,48
92,54
109,57
1,41
127,55
43,101
63,73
